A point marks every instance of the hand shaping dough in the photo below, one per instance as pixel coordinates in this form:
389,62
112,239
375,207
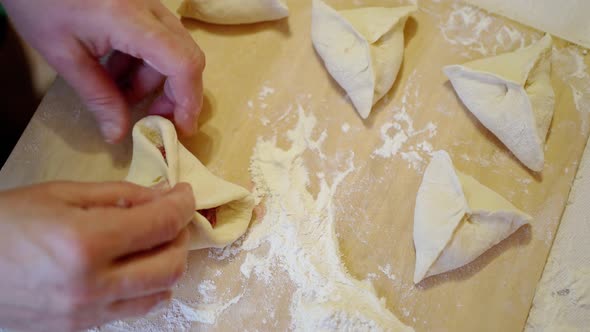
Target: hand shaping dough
457,219
234,11
224,209
362,49
511,94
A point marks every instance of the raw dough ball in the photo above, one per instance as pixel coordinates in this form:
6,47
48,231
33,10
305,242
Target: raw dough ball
457,219
362,49
234,11
224,210
511,94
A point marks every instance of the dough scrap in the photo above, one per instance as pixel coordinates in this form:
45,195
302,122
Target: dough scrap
234,11
361,48
511,94
224,210
457,219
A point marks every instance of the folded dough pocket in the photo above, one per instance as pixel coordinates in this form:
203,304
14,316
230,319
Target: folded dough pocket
224,210
361,48
457,219
511,94
234,11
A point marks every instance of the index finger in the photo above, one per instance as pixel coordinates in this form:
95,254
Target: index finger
177,57
144,227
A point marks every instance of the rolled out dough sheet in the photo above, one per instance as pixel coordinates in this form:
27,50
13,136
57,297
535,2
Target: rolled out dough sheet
568,19
562,300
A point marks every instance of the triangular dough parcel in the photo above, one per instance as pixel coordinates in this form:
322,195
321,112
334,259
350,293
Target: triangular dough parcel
511,94
361,48
234,11
457,219
160,160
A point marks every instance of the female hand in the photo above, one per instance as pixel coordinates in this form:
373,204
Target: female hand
73,256
150,45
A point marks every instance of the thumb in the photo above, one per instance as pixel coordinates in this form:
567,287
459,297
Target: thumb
98,91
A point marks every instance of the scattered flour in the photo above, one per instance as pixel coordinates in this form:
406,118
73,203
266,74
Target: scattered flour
265,91
180,315
397,133
206,290
372,276
387,272
345,127
204,313
261,102
475,32
298,236
569,65
265,121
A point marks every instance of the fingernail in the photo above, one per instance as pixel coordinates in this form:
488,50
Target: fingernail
123,203
162,186
110,131
187,119
186,187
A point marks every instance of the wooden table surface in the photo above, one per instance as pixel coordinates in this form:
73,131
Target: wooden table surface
494,293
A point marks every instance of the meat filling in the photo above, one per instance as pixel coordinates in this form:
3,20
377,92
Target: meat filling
210,215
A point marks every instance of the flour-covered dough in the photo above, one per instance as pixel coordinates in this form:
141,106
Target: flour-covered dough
160,160
234,11
457,219
511,94
361,48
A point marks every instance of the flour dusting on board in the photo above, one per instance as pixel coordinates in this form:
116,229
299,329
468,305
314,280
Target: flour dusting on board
475,32
297,235
261,103
399,135
296,239
180,315
569,65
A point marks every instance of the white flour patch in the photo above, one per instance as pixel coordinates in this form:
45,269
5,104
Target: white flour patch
261,102
265,121
569,65
397,133
475,32
297,235
345,128
386,270
257,265
371,276
206,290
207,313
228,252
265,91
525,184
180,315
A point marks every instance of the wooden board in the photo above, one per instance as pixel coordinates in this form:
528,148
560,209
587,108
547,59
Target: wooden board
375,204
